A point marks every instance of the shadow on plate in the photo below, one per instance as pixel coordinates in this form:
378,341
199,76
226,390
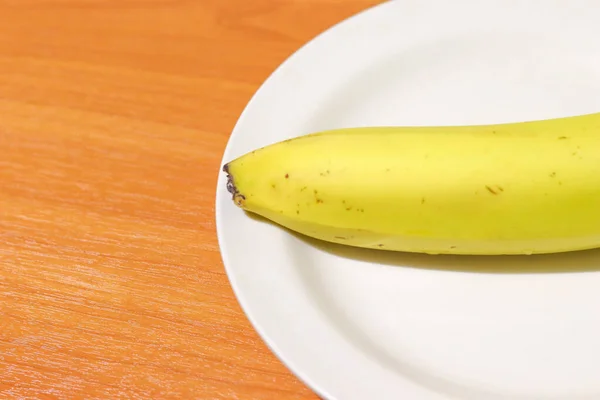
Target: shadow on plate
576,261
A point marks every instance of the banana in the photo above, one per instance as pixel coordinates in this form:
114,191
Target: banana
514,188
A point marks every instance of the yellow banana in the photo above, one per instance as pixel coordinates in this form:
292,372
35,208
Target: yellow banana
515,188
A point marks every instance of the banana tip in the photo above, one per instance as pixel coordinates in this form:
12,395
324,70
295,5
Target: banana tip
237,197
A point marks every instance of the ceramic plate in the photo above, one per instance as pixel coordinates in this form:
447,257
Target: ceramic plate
357,324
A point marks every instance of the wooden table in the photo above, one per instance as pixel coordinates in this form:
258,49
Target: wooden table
113,118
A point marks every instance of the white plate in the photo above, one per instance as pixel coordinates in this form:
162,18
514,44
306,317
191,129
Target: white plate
357,324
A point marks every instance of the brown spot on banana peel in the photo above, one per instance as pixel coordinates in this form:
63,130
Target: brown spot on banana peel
491,190
237,197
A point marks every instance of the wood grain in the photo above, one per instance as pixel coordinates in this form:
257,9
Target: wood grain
113,118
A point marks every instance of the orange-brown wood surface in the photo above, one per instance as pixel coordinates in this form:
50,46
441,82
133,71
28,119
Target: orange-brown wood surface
113,118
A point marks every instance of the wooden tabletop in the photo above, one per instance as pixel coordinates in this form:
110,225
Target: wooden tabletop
114,115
